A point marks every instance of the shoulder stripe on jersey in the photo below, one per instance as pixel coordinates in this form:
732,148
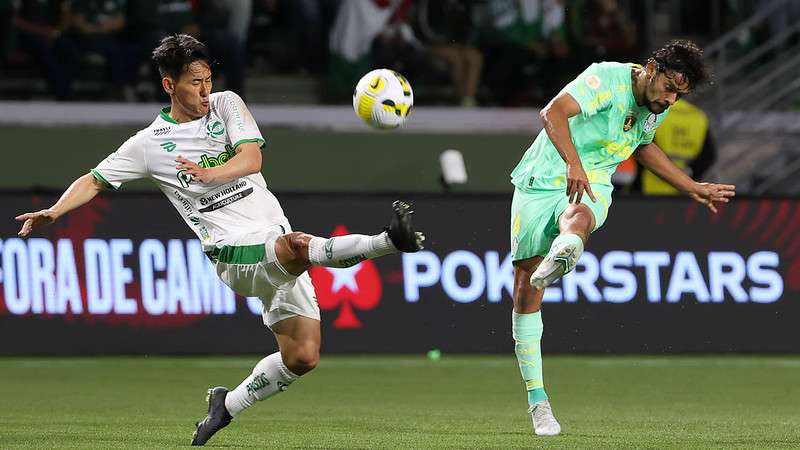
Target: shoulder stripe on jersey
99,177
261,143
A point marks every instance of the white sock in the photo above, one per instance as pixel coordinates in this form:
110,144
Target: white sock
270,376
569,238
348,250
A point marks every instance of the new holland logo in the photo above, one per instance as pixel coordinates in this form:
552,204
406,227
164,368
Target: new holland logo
353,288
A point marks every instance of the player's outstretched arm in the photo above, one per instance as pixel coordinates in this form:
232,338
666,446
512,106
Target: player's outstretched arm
555,121
79,193
246,162
654,159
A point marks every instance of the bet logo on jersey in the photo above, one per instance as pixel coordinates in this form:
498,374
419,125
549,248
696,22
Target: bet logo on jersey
353,288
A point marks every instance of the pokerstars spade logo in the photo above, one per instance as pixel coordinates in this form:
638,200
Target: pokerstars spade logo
356,288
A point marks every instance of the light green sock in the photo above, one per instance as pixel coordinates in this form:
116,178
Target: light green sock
527,332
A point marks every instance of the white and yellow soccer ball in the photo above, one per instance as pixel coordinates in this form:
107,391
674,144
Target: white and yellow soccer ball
383,98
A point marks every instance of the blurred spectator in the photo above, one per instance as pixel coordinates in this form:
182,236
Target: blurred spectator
309,21
97,27
39,26
176,17
357,24
685,138
447,28
6,21
224,26
141,34
524,37
600,30
397,47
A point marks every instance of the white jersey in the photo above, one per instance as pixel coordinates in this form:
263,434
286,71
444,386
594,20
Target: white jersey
218,213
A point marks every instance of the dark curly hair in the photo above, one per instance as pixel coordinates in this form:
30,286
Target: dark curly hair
685,58
176,52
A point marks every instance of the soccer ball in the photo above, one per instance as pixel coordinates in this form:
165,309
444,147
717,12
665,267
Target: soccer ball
383,98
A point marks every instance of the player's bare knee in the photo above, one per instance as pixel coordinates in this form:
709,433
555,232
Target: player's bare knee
303,359
578,211
298,243
526,298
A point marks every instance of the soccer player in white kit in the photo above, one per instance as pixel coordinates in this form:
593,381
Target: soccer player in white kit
204,153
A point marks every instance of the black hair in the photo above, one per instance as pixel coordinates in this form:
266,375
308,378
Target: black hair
683,57
176,52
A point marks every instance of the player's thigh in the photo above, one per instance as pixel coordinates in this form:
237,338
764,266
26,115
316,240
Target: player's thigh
533,222
526,298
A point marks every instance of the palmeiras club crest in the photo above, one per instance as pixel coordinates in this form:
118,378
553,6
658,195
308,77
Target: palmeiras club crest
349,289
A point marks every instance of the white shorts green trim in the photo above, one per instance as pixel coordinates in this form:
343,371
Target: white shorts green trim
248,265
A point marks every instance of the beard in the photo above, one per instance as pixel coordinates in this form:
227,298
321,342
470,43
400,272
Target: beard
656,108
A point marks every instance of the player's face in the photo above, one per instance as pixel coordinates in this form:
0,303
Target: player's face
664,89
193,88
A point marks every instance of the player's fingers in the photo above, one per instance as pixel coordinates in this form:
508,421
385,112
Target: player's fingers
712,207
25,216
26,228
590,193
569,187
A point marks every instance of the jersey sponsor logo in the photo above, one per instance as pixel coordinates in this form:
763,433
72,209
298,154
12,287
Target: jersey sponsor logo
161,131
593,81
357,287
650,123
169,146
215,129
220,159
184,179
211,199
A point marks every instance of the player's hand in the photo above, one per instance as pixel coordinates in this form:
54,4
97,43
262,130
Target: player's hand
33,220
201,174
708,193
577,182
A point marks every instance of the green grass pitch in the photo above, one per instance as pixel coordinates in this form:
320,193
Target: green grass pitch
394,402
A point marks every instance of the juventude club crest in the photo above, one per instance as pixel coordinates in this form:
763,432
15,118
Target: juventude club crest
215,129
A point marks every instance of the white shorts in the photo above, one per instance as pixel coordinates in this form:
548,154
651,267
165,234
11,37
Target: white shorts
255,272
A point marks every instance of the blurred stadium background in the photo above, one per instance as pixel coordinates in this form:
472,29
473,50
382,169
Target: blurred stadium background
124,277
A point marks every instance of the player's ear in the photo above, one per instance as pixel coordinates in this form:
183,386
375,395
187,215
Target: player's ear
651,69
168,84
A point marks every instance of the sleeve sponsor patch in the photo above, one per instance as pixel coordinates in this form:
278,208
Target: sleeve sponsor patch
593,81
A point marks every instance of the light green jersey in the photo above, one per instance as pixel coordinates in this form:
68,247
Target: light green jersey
608,129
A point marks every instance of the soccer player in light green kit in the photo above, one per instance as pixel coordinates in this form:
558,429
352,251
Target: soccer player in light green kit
607,113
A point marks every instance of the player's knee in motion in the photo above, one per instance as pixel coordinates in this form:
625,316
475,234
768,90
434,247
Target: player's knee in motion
303,358
577,219
292,252
526,299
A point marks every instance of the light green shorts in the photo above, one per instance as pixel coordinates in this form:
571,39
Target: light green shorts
535,213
